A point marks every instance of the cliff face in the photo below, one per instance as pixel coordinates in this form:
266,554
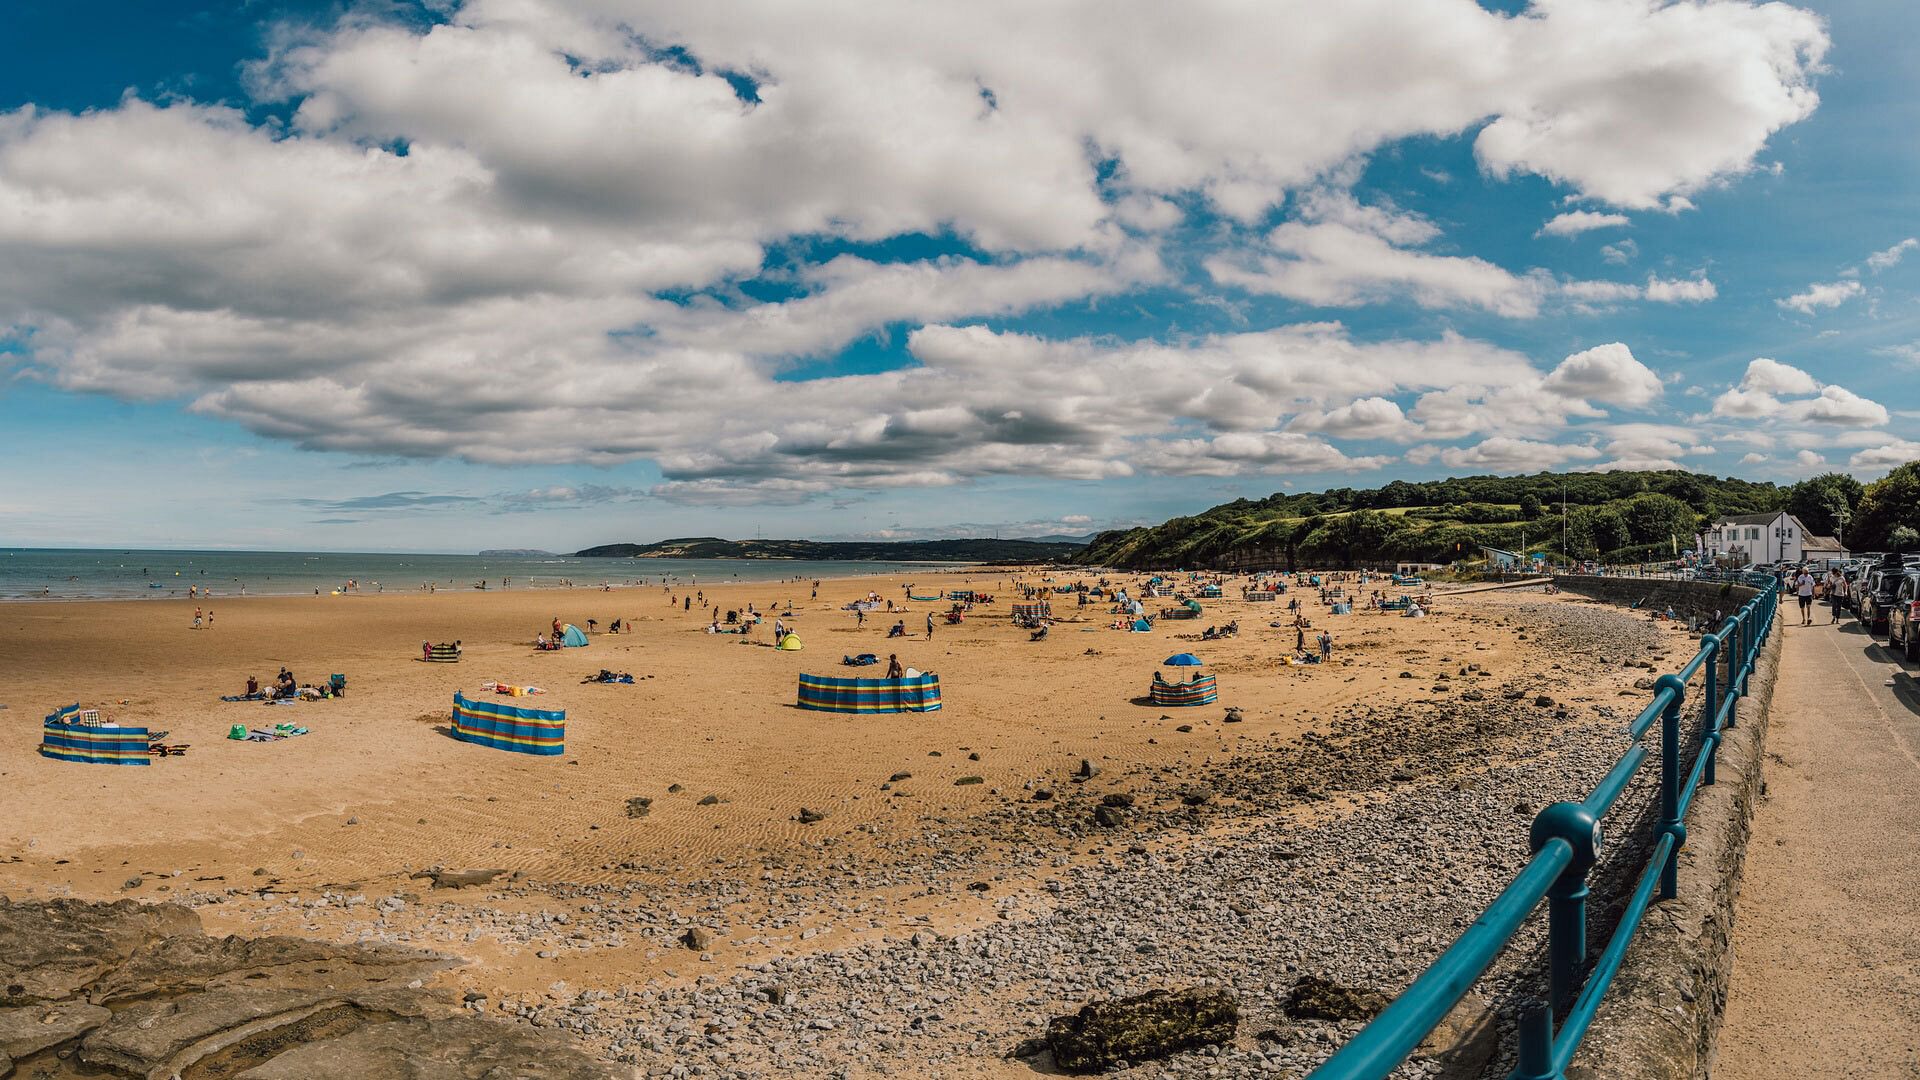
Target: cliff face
713,547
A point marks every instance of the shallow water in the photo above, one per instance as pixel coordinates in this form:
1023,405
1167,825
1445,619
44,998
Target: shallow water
73,574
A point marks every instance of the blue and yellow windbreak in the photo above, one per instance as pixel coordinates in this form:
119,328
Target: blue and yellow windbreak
920,693
504,727
61,738
1201,691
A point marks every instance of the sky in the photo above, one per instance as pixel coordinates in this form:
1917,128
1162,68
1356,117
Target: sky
442,276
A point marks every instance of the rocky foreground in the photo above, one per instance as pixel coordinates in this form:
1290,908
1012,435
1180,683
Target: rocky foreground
132,990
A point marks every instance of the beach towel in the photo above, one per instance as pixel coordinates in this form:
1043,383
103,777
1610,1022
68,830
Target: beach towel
260,695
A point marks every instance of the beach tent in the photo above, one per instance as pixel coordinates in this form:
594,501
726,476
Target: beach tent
1200,691
508,727
915,693
63,736
572,638
1142,626
790,643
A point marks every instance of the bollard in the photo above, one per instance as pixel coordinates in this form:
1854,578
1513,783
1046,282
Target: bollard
1670,783
1567,896
1536,1046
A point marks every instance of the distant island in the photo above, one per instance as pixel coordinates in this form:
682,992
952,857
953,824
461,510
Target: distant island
971,551
514,552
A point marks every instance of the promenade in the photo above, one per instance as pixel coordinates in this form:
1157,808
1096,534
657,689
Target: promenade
1826,978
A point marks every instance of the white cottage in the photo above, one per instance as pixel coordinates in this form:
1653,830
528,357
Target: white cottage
1764,538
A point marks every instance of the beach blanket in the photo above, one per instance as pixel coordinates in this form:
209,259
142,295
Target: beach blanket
260,695
606,676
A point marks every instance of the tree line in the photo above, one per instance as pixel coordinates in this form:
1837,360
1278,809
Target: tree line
1611,516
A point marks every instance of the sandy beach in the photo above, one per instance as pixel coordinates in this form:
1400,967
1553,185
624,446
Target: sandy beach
327,834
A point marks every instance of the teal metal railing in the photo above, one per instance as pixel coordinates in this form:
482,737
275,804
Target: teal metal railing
1565,841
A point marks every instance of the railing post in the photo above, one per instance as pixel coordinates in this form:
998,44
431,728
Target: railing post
1536,1046
1567,896
1733,665
1710,706
1670,783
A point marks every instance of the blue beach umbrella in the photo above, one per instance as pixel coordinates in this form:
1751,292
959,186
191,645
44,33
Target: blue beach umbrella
1185,659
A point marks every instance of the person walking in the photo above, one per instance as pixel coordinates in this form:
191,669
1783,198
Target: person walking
1836,588
929,626
1803,588
1326,646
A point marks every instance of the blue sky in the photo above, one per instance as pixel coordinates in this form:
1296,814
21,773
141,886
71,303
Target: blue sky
549,273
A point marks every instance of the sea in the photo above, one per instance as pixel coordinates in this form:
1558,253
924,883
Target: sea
80,574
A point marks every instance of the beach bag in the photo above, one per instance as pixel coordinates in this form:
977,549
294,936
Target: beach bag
238,731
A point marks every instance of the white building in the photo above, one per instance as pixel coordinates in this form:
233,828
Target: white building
1766,538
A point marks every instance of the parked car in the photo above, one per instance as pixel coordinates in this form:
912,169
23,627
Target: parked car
1876,596
1903,615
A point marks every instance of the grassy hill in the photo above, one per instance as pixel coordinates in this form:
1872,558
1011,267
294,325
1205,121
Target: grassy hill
982,550
1616,515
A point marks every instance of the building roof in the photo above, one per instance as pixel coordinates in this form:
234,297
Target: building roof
1753,519
1821,543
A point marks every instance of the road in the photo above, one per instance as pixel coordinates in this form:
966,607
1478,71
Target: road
1826,977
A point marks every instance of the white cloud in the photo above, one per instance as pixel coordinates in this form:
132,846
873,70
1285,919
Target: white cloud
1575,222
1751,458
1829,295
1503,454
1621,252
1761,391
1365,418
1774,377
1692,290
1890,257
1908,353
1605,373
1342,253
1807,459
1891,455
1838,405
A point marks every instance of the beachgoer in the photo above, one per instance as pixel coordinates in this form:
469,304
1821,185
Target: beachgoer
894,670
253,686
196,618
1326,646
929,626
1802,588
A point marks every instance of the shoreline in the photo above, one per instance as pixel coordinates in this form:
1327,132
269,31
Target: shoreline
596,587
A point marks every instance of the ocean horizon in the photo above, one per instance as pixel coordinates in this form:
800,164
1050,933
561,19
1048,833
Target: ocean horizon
135,573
